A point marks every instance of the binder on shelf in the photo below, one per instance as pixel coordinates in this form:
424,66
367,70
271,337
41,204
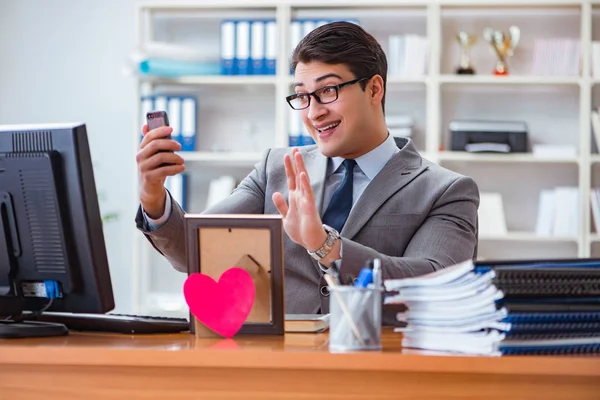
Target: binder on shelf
296,34
492,221
257,48
306,140
182,116
295,134
308,26
188,124
174,112
177,186
558,212
177,68
147,105
242,47
219,189
227,47
161,102
271,47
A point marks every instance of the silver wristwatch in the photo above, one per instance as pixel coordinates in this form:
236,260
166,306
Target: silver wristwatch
332,236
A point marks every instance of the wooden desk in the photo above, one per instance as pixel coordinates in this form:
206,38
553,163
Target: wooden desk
298,366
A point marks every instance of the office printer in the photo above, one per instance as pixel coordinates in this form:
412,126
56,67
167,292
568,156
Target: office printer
489,136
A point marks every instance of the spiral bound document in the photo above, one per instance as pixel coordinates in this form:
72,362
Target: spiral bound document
535,279
574,317
552,325
549,282
483,266
550,347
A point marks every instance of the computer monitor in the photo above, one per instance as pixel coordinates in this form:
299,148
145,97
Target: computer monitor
52,250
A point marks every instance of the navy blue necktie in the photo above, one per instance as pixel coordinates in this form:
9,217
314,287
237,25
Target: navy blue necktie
341,201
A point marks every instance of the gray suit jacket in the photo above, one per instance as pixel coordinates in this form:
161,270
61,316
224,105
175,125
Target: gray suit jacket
415,215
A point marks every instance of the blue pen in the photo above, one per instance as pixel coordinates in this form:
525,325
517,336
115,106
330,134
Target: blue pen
365,277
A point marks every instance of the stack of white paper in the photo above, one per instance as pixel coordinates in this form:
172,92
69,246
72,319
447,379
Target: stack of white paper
451,310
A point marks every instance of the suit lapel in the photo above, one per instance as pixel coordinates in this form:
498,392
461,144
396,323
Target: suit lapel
402,168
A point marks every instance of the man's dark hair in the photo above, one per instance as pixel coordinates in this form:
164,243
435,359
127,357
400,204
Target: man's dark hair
344,43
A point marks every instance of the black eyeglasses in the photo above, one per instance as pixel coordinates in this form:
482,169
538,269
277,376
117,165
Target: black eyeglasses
324,95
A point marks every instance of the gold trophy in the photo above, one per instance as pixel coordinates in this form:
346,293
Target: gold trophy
503,44
466,42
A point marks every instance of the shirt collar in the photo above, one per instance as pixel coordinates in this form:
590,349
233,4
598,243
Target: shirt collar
372,162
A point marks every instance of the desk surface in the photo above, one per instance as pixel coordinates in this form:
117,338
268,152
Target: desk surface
290,351
284,362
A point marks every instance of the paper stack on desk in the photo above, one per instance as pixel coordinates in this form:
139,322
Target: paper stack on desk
450,310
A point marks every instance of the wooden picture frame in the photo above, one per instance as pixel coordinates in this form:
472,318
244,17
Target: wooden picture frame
215,243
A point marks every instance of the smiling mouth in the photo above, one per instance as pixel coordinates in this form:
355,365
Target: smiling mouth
328,127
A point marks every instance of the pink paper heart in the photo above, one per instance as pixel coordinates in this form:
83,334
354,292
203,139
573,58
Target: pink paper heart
222,306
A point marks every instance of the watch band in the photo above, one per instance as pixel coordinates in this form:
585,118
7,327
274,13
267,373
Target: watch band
332,236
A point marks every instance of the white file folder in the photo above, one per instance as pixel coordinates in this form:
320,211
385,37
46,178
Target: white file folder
242,47
174,112
257,48
227,47
188,124
271,47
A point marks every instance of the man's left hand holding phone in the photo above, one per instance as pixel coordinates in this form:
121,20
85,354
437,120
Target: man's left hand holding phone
156,160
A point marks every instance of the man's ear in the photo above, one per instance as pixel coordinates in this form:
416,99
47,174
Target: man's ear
376,89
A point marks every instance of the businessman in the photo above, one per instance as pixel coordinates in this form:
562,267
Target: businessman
355,195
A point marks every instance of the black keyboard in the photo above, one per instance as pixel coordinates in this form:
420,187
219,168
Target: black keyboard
116,323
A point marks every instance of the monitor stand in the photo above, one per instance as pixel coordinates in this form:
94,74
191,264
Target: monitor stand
29,329
13,325
11,305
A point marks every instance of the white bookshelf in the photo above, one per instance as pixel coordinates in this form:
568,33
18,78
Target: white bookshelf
556,108
527,237
508,80
240,80
224,159
502,158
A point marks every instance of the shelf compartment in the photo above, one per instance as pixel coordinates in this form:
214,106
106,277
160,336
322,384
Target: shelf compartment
564,18
551,113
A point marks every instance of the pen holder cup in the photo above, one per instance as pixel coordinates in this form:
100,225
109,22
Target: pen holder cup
355,319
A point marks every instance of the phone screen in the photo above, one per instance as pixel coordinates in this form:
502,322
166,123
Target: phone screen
156,119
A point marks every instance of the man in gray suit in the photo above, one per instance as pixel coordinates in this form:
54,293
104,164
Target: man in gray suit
376,191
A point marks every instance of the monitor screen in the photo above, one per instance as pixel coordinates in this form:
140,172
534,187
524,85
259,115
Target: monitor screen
52,250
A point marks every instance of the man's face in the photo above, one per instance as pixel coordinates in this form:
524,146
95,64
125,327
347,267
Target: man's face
341,128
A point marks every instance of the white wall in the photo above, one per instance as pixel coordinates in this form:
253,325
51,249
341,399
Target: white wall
62,61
